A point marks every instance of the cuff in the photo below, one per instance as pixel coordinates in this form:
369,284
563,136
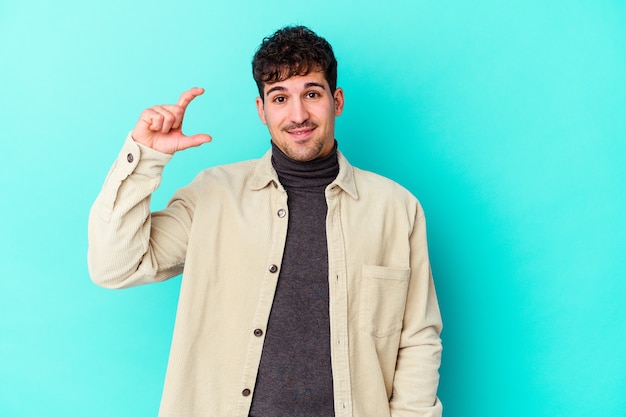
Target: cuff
138,158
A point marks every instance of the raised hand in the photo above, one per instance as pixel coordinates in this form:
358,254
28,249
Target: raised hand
160,127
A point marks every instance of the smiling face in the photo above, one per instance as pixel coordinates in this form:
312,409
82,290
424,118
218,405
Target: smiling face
300,115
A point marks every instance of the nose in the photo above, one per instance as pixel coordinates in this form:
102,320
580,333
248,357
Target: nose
299,113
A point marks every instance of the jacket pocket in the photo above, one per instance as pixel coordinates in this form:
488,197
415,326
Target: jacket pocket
383,298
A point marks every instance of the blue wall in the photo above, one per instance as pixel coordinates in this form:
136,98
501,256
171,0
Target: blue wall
506,119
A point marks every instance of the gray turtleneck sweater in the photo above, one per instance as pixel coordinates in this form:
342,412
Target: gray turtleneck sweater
295,376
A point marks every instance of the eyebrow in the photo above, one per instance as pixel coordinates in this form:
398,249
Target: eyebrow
314,84
281,88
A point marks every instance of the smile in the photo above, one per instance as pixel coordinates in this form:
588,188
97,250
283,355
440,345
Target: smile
299,132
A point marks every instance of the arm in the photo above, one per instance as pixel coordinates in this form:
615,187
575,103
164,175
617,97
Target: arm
419,356
127,244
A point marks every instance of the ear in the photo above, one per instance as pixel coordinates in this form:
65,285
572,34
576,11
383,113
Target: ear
261,110
339,100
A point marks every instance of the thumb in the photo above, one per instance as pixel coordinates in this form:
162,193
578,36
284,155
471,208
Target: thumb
185,142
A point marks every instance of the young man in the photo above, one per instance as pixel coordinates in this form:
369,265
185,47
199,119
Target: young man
306,287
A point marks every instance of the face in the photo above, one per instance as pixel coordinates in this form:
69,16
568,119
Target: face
300,115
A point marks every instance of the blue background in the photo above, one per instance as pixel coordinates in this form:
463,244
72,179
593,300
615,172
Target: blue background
506,119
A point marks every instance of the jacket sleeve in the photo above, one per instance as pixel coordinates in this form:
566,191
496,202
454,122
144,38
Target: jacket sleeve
128,245
419,356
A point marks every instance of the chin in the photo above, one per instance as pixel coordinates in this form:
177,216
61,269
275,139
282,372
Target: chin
301,156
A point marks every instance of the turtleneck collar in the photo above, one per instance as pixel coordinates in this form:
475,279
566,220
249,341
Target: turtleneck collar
317,173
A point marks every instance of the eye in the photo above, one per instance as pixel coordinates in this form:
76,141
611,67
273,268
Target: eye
279,99
312,94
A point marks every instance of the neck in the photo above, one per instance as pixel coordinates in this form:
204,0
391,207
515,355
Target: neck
308,174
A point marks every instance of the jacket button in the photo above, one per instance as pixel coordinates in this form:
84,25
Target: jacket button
273,268
130,158
258,332
282,213
245,392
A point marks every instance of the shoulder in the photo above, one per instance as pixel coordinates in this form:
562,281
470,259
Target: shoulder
228,172
225,180
368,182
380,192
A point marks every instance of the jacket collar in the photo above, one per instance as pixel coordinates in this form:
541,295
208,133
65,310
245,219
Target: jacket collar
265,174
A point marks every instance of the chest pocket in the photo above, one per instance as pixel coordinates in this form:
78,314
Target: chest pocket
383,298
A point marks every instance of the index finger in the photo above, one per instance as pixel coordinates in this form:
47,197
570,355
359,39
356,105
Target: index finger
187,96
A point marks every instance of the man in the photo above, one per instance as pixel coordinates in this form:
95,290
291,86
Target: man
306,287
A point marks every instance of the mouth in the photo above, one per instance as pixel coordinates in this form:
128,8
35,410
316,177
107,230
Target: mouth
300,132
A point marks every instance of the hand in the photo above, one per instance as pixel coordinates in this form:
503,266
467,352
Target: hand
160,127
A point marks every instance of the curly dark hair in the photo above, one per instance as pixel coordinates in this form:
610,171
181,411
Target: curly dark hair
291,51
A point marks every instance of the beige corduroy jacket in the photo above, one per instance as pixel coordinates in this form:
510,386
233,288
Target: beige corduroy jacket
225,232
